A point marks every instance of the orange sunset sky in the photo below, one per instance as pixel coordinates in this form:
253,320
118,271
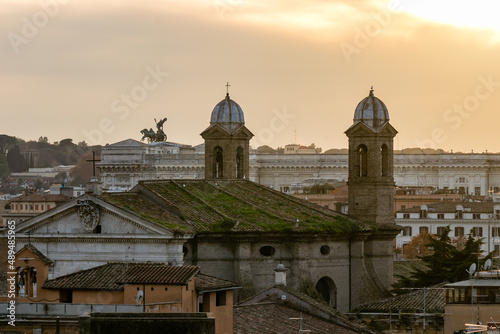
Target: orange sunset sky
101,71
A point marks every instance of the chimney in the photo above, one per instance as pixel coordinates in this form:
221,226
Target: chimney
94,186
280,275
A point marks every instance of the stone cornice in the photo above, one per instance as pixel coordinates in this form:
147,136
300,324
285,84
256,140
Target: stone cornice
102,238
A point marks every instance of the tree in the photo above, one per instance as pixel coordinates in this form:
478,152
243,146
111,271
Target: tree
266,149
43,139
16,160
82,172
445,262
417,247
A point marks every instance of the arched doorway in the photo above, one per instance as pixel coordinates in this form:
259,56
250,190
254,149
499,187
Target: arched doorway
327,290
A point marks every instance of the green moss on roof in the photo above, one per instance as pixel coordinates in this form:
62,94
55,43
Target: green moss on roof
244,206
199,206
142,207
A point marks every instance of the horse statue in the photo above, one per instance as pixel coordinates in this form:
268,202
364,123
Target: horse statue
148,134
153,136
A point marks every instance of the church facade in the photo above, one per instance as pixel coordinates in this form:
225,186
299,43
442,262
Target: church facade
233,228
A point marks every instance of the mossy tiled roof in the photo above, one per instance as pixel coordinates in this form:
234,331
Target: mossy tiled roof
413,302
199,206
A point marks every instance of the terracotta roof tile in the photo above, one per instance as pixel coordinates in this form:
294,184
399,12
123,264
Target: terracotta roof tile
278,318
300,302
35,197
109,276
209,283
410,302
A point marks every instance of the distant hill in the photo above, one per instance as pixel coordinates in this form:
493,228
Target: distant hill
18,155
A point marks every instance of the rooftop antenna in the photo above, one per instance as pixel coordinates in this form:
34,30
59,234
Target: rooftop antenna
300,324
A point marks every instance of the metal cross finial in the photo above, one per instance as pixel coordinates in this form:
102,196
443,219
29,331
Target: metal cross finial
227,88
94,160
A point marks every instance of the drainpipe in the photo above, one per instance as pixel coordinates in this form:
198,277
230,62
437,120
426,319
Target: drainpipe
350,272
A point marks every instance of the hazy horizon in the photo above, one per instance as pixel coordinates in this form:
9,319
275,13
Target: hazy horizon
101,72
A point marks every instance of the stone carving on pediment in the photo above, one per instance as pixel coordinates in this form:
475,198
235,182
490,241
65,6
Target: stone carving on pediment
89,214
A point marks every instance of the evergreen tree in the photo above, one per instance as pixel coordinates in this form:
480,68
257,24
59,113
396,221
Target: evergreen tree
445,262
16,160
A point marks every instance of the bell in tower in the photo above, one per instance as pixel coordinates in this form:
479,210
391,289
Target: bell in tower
371,172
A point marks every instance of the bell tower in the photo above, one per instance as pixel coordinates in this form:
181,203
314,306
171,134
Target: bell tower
227,142
371,172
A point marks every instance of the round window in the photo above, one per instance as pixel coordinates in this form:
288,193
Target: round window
325,249
267,250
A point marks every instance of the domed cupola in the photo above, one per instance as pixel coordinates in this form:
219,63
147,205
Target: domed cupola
371,111
228,114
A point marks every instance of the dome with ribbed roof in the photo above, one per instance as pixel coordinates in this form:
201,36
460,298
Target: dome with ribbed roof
228,114
371,111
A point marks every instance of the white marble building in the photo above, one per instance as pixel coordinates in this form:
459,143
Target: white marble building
482,219
125,163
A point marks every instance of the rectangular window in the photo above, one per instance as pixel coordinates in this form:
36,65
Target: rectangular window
406,215
440,216
459,231
497,214
423,230
423,213
440,230
476,216
497,250
477,231
66,296
495,231
220,298
36,207
477,191
48,206
459,214
407,231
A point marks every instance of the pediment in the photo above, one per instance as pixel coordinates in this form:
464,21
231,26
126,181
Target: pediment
215,131
388,130
243,132
128,143
360,129
81,216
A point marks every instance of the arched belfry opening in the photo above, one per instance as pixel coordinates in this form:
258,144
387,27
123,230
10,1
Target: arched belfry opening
227,142
327,290
361,161
218,161
384,152
240,160
371,182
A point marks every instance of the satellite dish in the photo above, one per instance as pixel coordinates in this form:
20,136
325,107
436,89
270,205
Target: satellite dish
487,264
139,296
472,269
